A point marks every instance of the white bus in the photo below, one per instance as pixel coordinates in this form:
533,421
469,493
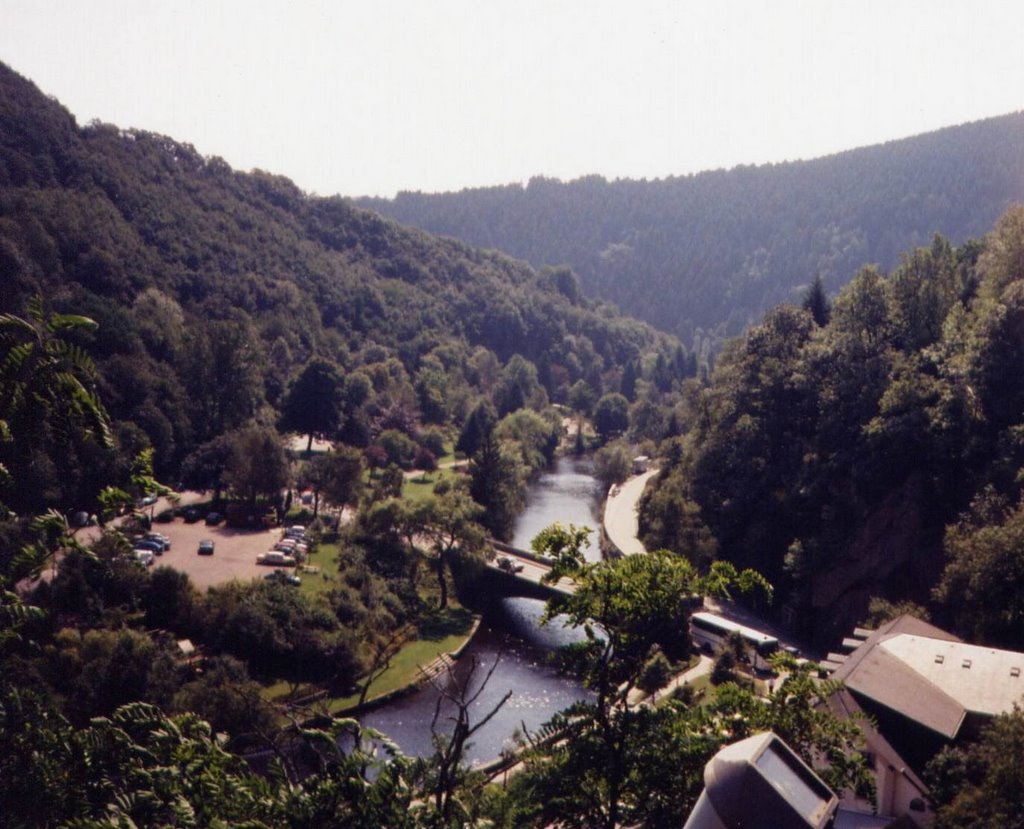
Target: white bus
709,632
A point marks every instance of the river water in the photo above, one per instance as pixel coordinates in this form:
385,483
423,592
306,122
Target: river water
510,640
567,493
520,665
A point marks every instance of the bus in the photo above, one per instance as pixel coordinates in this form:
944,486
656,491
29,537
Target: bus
710,632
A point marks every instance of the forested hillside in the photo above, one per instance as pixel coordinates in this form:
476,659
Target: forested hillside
212,289
835,448
704,255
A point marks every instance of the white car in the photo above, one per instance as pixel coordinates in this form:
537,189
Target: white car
144,557
276,558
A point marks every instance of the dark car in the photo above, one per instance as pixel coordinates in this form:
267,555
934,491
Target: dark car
213,519
508,565
282,577
149,544
206,547
159,538
191,515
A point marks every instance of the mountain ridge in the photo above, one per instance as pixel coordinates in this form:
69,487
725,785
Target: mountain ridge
707,253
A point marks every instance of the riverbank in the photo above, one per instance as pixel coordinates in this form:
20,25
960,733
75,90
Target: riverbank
413,666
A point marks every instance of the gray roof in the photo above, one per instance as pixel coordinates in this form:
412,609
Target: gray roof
931,677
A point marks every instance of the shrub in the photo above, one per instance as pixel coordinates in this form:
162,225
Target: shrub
424,460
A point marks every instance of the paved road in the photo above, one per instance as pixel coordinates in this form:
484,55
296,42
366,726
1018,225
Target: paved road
532,570
620,516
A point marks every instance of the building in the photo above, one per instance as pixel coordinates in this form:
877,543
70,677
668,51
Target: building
924,688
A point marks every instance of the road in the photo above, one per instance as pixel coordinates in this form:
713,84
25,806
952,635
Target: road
621,523
532,570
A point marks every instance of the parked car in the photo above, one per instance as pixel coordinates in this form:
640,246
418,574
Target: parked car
508,565
284,578
213,519
205,547
148,499
144,557
191,515
151,545
276,558
159,538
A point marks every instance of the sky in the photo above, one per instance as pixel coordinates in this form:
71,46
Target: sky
379,96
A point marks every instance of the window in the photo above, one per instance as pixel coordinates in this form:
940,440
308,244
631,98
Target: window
939,658
967,663
1014,671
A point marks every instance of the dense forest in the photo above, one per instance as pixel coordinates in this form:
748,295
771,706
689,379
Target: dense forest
836,446
704,255
212,291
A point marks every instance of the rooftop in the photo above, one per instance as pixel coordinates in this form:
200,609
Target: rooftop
931,677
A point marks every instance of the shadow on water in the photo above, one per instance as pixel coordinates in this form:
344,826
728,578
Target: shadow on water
512,637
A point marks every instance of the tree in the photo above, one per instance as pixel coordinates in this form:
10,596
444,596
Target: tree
611,416
630,611
258,466
581,397
225,696
498,484
44,375
613,463
336,475
534,435
400,448
222,376
984,575
816,302
48,402
206,465
312,404
449,523
477,426
798,712
446,776
982,785
564,545
517,385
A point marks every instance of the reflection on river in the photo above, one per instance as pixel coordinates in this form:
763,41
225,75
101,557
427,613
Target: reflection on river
567,493
520,648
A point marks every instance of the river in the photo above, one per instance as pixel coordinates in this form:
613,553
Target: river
567,493
538,690
510,636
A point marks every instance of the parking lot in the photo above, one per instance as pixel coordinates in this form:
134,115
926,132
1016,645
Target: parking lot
234,555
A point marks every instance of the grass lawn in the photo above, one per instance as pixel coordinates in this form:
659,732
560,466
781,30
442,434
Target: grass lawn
442,633
421,486
326,560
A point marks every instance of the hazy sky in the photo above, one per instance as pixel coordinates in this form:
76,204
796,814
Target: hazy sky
372,97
